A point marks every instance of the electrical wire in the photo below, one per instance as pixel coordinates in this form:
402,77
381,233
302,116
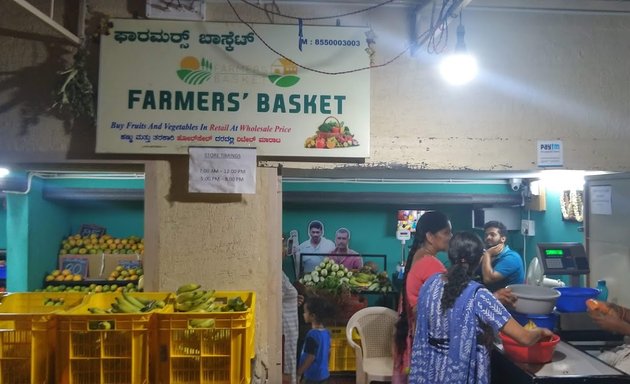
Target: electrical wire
318,17
318,70
432,47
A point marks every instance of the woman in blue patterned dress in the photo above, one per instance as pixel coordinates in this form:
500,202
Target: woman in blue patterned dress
457,319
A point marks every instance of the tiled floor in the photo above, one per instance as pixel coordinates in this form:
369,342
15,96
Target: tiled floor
346,378
342,379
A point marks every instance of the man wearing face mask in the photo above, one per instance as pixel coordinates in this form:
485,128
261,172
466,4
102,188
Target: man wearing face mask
500,265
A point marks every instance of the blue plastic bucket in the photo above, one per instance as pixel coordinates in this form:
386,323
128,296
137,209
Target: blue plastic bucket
573,299
541,321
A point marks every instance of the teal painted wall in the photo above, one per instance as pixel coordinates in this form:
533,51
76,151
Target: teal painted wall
35,226
3,224
96,183
395,187
373,227
121,218
48,223
17,242
551,228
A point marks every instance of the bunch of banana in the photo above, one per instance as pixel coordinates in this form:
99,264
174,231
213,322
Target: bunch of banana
362,280
201,323
234,305
129,304
191,299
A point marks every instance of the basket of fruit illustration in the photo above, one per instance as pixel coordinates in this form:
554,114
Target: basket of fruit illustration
331,134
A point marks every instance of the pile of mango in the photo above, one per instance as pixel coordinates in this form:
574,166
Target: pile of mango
94,244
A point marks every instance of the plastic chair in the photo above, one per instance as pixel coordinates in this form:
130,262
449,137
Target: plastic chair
374,361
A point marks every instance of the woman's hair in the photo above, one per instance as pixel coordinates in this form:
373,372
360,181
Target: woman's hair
321,307
464,252
430,222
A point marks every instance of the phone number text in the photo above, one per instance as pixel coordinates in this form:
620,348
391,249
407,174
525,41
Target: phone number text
334,42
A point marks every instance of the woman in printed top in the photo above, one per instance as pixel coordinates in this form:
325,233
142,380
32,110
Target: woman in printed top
433,232
313,366
456,321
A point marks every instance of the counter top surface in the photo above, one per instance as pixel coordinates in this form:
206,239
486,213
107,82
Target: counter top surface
568,361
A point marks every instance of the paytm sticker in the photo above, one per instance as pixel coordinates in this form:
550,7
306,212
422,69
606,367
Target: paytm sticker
550,153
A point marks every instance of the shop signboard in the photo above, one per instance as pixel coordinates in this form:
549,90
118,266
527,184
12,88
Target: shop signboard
165,86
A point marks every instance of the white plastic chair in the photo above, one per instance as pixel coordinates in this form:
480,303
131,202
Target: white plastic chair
374,361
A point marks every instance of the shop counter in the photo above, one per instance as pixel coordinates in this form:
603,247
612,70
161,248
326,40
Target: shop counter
568,365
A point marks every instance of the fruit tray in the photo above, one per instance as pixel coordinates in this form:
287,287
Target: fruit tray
28,334
100,348
220,352
342,356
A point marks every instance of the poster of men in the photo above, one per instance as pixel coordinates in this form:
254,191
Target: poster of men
310,253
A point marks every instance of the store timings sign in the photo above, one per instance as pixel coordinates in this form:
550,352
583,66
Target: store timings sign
222,170
165,86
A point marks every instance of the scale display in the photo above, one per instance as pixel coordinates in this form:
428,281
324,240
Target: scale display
563,258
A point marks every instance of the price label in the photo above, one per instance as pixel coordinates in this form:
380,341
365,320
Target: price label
89,229
76,266
130,264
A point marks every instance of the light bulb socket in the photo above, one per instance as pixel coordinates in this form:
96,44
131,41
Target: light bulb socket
460,46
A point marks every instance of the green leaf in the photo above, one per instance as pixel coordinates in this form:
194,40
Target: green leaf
182,73
286,81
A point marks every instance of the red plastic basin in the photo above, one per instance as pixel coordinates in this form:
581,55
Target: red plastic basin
538,353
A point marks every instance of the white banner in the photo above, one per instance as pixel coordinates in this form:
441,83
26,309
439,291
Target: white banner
222,170
168,85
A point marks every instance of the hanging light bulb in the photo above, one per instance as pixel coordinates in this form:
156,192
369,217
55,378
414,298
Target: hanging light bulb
4,172
459,67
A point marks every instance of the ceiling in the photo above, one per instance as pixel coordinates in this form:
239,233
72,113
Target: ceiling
596,6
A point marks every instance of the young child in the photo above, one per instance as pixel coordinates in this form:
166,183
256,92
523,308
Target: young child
313,366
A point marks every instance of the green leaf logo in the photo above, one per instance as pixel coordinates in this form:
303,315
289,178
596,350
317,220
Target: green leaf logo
284,81
194,72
